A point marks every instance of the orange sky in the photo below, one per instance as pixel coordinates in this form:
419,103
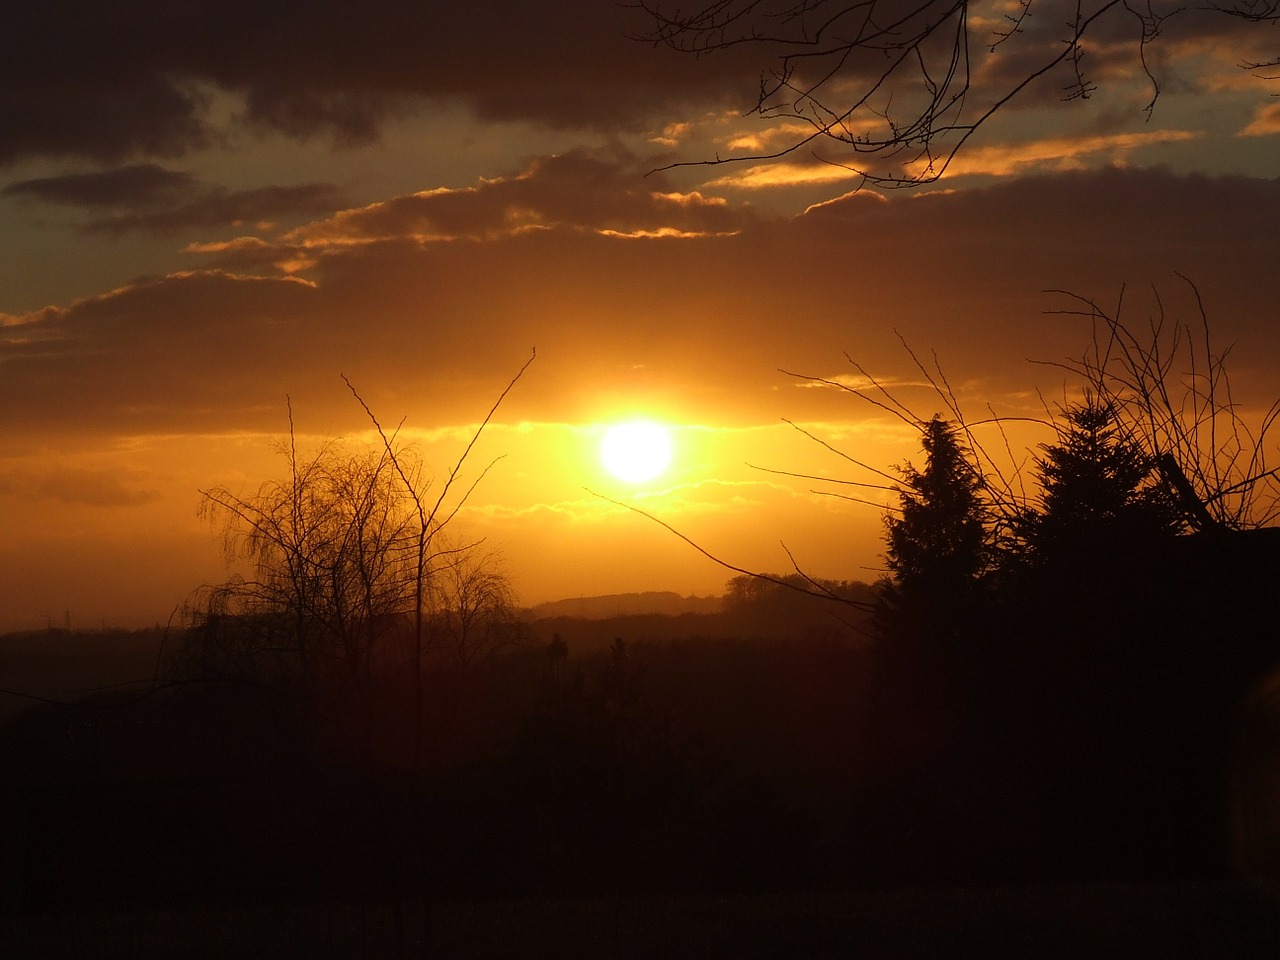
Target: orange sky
251,229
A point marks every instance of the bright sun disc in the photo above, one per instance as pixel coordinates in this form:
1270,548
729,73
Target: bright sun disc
636,451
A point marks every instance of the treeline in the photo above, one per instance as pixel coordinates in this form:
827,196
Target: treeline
669,763
1060,681
772,607
59,664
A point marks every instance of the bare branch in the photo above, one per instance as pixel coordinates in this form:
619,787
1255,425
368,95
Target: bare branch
895,88
809,476
840,453
822,594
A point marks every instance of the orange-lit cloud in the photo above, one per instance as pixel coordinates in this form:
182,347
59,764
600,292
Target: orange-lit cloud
1067,153
1266,121
996,160
858,382
672,134
773,137
1058,153
578,190
213,349
789,173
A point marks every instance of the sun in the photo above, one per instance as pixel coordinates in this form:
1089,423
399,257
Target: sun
636,451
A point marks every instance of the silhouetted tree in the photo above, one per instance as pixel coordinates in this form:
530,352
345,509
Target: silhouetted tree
473,614
347,556
1111,679
936,543
782,606
331,565
471,619
936,552
1100,494
1171,397
745,590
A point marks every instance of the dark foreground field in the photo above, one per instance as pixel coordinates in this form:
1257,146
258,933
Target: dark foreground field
1160,921
693,796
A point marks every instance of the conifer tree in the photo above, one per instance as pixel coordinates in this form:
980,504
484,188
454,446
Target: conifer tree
937,546
1100,494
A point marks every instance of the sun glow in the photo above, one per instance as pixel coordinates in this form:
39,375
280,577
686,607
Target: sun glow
636,451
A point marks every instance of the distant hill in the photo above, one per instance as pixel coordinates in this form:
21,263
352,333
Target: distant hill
663,602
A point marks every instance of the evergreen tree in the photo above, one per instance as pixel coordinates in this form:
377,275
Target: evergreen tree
1100,496
928,626
937,546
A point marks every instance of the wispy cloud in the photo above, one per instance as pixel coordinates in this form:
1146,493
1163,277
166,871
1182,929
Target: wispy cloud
1265,123
789,173
76,485
151,198
261,207
1003,159
137,185
1060,153
857,382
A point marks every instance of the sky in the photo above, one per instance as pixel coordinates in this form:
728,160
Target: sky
212,213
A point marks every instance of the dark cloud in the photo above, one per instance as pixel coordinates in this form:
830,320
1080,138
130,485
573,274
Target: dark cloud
141,184
148,197
94,115
218,208
110,82
182,348
1095,234
134,78
1114,55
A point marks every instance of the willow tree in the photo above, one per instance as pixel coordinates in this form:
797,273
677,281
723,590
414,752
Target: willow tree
327,557
348,563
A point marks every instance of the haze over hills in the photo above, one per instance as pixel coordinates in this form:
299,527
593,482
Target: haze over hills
662,602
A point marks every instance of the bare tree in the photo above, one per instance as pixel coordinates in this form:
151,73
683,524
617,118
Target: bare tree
328,551
432,517
473,610
896,87
1168,388
346,555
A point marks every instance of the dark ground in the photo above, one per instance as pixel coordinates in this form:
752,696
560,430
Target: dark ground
1220,920
667,799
